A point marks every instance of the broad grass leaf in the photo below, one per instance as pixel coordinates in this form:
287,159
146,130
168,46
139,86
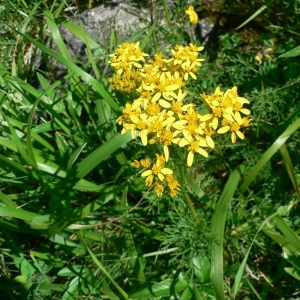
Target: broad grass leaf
7,201
73,289
291,53
217,232
73,270
17,213
101,153
164,288
293,272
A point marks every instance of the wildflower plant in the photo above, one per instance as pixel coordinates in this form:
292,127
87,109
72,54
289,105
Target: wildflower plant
160,113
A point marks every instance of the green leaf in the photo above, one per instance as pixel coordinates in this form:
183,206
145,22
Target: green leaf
101,267
187,294
293,272
289,167
259,11
269,153
74,270
17,213
165,288
202,268
217,231
85,76
291,53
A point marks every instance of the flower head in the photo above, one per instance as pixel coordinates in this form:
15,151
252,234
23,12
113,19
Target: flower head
192,14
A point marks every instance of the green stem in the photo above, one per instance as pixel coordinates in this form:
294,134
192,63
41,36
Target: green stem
168,16
186,196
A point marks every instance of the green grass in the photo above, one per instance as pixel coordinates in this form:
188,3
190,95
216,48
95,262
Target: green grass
77,221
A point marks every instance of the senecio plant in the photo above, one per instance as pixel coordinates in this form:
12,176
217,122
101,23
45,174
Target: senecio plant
160,114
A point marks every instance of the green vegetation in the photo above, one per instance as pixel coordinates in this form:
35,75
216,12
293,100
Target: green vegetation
76,218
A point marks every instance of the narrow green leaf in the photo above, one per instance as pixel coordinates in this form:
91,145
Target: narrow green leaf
101,153
73,289
288,233
165,288
74,156
108,291
293,272
74,270
217,232
239,274
259,11
291,53
269,153
17,213
101,267
7,201
289,167
52,287
85,76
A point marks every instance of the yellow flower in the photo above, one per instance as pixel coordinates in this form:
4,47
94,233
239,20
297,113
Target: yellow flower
234,123
145,162
192,14
136,164
159,189
157,170
193,146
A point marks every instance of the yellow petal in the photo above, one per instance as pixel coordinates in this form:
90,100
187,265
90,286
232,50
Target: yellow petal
166,152
166,171
190,158
133,134
233,137
240,135
134,118
144,137
156,97
193,75
215,123
161,176
172,87
223,129
146,173
164,103
202,152
205,117
245,111
210,141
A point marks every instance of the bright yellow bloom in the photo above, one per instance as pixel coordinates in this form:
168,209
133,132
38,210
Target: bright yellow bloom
234,123
192,14
157,170
193,146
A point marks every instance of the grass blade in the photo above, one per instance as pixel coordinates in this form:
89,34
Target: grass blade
217,232
269,153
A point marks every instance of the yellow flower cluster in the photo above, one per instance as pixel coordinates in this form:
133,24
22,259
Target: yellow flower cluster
157,173
160,113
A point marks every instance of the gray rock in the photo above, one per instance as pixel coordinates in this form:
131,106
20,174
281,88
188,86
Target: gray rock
98,23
